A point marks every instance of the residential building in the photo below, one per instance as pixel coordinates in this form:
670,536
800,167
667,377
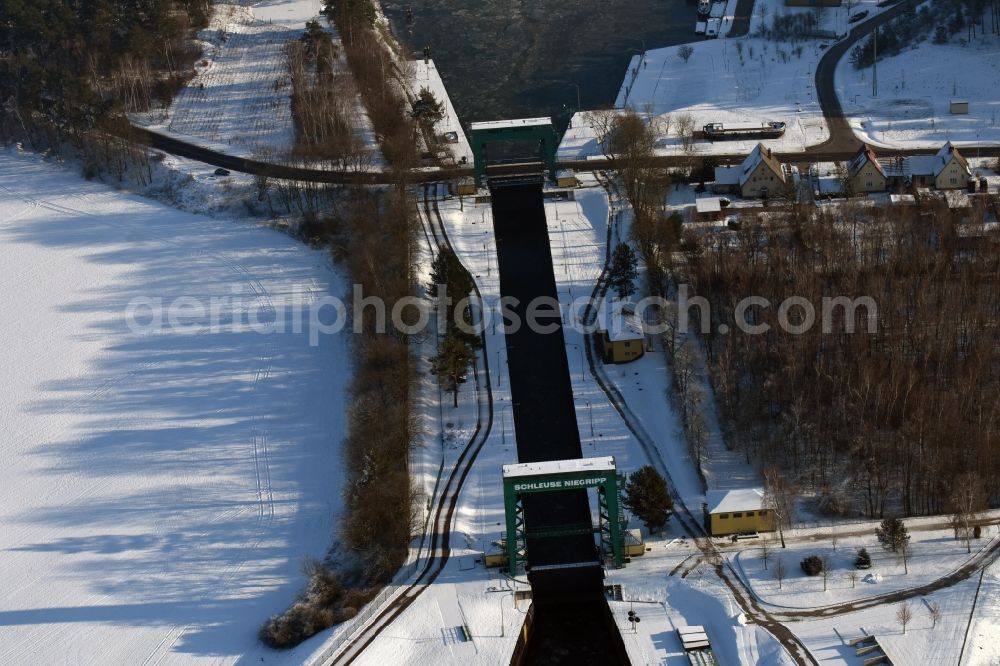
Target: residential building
620,336
946,170
761,175
864,173
737,511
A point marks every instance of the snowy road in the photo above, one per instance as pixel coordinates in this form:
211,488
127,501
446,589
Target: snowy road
160,487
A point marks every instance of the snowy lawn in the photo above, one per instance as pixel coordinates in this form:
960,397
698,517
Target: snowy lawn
933,554
160,488
725,81
914,93
922,643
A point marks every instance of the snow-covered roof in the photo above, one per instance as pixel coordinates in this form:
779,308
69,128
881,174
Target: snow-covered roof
921,165
947,153
863,157
754,159
599,464
508,124
708,205
741,499
621,322
896,166
727,175
933,165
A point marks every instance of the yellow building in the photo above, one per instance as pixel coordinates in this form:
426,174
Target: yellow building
634,545
466,187
865,173
737,511
761,175
620,337
566,178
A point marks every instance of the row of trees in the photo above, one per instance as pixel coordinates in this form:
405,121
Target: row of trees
457,352
373,233
380,76
324,99
893,407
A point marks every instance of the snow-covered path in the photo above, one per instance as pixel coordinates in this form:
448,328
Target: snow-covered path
159,488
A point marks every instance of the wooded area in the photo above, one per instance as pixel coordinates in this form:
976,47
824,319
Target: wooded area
70,67
881,421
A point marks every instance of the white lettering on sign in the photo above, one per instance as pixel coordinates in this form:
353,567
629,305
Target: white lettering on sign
556,485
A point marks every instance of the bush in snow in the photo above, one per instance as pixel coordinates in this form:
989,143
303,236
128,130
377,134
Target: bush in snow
315,610
812,565
863,560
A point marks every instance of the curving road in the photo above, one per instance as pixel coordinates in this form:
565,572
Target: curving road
842,139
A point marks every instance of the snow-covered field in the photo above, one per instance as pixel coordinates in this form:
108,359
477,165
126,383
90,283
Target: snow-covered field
239,102
242,96
160,488
769,82
933,554
748,79
915,89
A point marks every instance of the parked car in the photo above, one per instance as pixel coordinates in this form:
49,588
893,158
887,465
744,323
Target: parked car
857,17
221,172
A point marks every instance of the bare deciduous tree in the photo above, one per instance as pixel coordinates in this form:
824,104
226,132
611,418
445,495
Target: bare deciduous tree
968,499
685,52
934,611
602,121
779,570
904,614
685,129
779,498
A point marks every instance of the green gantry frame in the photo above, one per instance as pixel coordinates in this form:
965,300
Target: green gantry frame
556,476
523,129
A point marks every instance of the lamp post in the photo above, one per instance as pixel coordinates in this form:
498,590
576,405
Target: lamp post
500,367
590,412
503,427
577,86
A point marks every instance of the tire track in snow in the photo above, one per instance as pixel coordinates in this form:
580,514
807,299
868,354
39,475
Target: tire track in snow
258,431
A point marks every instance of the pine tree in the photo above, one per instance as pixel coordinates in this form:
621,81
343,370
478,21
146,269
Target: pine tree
892,534
451,365
428,107
447,270
623,271
647,497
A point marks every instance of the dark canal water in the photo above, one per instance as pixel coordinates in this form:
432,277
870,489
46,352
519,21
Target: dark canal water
517,58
